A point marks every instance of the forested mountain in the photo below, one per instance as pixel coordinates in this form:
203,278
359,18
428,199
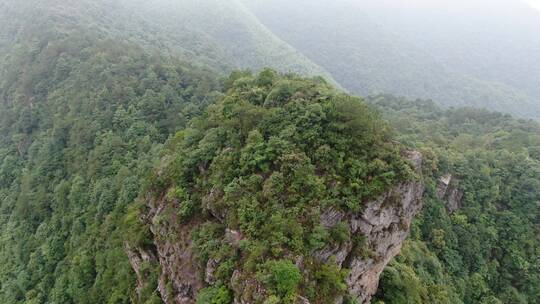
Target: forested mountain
110,108
477,237
242,194
81,120
89,91
459,53
223,36
227,26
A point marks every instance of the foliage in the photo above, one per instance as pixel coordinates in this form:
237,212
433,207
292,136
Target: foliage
82,118
329,281
285,277
214,295
87,110
487,251
264,161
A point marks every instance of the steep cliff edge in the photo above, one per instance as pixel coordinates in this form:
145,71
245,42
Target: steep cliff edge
383,225
449,192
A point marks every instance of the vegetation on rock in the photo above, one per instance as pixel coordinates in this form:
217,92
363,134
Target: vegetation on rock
487,251
265,161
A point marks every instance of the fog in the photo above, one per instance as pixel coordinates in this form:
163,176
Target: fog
483,53
473,52
460,53
534,4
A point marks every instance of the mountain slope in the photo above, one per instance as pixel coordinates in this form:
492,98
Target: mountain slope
230,27
82,115
81,121
223,36
476,239
89,90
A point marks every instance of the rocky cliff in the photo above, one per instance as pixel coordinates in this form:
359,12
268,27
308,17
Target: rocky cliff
383,224
378,232
449,192
180,276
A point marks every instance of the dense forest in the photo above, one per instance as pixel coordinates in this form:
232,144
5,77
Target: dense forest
80,127
487,251
81,120
102,105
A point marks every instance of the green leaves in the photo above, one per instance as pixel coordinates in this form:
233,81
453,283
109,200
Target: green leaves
80,130
264,161
483,249
214,295
329,281
283,277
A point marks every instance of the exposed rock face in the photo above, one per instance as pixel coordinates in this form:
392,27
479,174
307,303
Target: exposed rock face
377,234
138,257
180,278
384,225
448,191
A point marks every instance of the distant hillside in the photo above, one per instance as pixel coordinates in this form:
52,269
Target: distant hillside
222,36
470,53
225,26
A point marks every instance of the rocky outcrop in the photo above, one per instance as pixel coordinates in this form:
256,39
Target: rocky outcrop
377,234
180,278
449,192
139,259
383,226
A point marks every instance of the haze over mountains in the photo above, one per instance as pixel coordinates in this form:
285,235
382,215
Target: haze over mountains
459,53
224,36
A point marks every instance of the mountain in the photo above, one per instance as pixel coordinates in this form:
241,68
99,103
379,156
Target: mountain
229,27
222,37
89,91
135,167
82,117
285,189
459,53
